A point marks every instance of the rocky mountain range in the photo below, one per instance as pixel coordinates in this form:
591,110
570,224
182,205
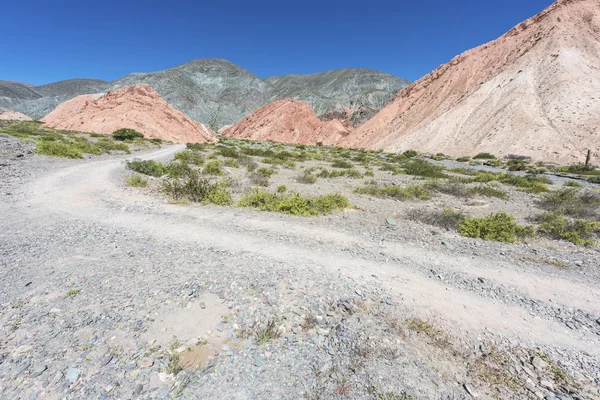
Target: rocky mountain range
206,88
535,91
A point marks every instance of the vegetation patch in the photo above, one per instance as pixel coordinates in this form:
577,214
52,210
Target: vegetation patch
499,227
198,189
578,231
293,203
147,167
573,202
446,219
484,156
419,167
58,149
189,156
136,181
213,167
127,134
409,192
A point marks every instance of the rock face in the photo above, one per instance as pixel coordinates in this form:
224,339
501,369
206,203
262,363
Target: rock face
288,121
13,115
534,91
206,88
137,107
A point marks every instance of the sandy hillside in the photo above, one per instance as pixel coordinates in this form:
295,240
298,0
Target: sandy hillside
534,91
13,115
288,121
137,107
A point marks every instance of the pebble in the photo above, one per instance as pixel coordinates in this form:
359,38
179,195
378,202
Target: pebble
21,350
203,305
258,361
471,390
391,222
38,370
538,363
72,374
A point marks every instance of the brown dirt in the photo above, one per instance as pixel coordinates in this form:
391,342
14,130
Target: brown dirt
534,91
137,107
288,121
13,115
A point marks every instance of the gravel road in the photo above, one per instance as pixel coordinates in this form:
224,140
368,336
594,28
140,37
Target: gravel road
97,279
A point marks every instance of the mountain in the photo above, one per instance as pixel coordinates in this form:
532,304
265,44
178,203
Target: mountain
137,107
535,91
288,121
206,88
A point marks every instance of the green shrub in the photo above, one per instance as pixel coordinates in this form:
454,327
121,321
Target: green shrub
424,168
126,134
213,168
409,192
178,169
489,191
499,227
410,154
197,146
294,203
530,183
281,189
463,159
594,179
189,156
136,181
484,156
307,177
58,149
105,145
261,176
229,152
572,184
447,219
147,167
341,164
198,189
578,231
580,169
572,202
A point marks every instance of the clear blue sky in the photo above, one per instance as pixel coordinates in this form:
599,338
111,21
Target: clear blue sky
44,41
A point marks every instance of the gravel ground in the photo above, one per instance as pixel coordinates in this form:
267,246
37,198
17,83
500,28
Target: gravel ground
98,279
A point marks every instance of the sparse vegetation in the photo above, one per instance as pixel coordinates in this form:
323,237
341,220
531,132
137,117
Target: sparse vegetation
213,167
173,357
136,181
499,227
126,134
293,203
267,333
447,219
579,231
573,202
419,167
147,167
198,189
72,293
409,192
58,149
484,156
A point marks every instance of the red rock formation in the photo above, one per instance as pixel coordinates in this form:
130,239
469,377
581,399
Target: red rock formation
13,115
534,91
137,107
288,121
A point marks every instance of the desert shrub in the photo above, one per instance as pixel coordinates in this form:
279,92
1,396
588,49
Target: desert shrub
450,188
105,145
353,173
189,156
424,168
197,146
447,219
58,149
228,152
213,167
410,154
409,192
136,181
307,177
394,169
484,156
464,171
499,227
261,176
341,164
579,231
594,179
489,191
517,165
281,189
254,151
198,189
572,184
580,169
517,157
572,202
231,163
463,159
147,167
294,203
126,134
530,183
439,156
178,169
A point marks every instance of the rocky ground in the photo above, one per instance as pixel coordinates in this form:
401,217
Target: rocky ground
114,292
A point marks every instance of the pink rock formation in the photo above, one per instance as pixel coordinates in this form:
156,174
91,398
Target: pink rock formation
288,121
534,91
137,107
13,115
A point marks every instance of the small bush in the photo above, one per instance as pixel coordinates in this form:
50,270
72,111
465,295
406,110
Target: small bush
189,156
572,202
424,168
489,191
58,149
409,192
197,146
213,168
594,179
463,159
572,184
307,177
341,164
178,169
136,181
126,134
281,189
447,219
198,189
294,203
410,154
147,167
580,169
229,152
105,145
578,231
499,227
484,156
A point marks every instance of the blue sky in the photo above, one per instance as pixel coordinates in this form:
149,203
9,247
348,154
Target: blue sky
42,41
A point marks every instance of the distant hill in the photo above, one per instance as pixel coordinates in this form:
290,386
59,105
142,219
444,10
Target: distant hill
204,88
